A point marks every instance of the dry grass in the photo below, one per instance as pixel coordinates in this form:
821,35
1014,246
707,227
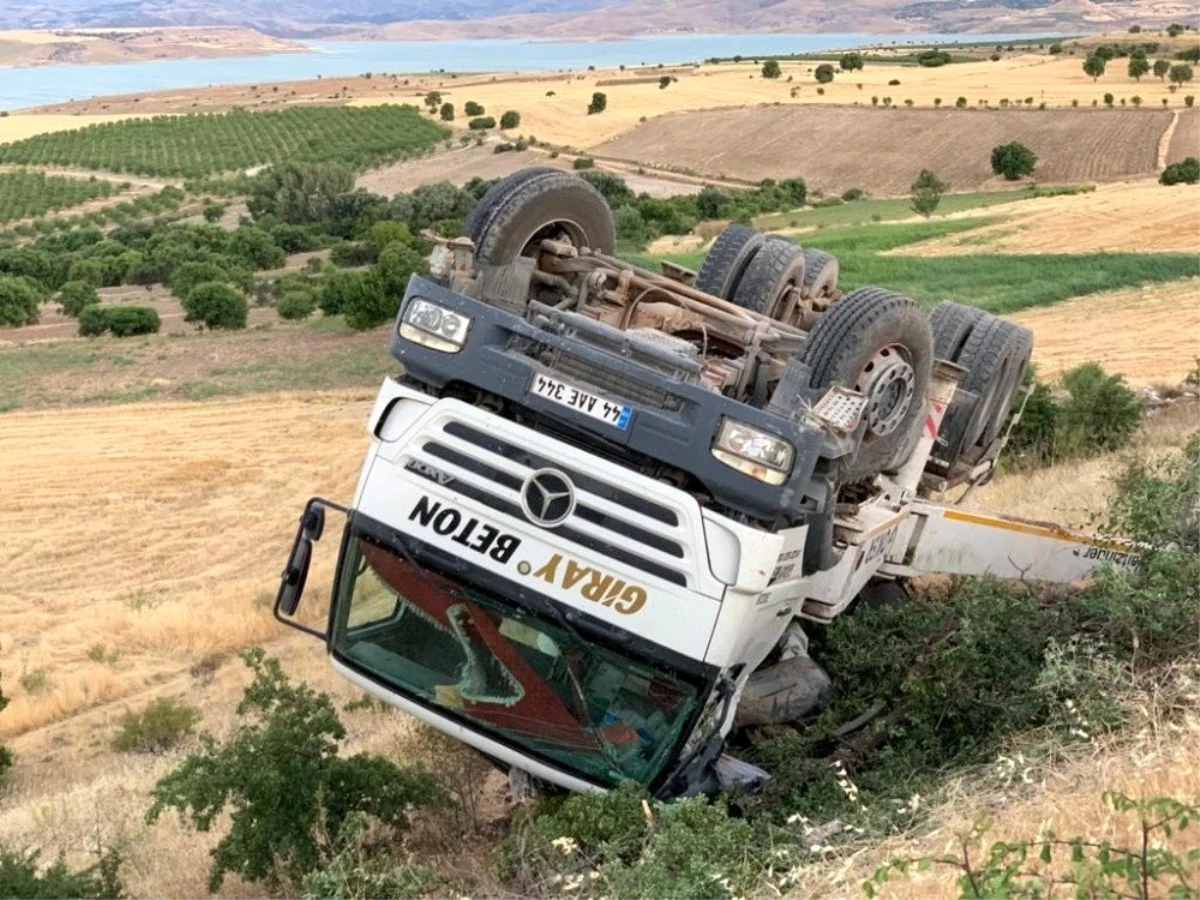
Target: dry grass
26,47
1155,757
156,529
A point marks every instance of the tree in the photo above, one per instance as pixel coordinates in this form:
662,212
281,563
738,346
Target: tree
471,108
664,82
1161,68
433,99
447,112
1013,160
365,303
1179,73
216,305
18,301
188,275
1055,49
1174,29
288,735
75,296
771,69
1094,66
255,248
599,103
1138,66
1105,52
1186,171
396,265
1108,100
851,61
299,193
481,123
927,192
933,58
823,73
510,119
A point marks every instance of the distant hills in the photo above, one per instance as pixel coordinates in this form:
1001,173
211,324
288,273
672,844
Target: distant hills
595,19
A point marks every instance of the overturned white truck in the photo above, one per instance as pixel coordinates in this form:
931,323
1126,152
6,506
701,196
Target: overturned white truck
599,502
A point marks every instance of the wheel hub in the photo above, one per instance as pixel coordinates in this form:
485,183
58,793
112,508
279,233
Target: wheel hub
887,381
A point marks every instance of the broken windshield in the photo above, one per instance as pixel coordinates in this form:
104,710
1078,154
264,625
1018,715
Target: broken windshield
520,677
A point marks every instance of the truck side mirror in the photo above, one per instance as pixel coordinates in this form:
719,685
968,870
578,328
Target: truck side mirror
295,573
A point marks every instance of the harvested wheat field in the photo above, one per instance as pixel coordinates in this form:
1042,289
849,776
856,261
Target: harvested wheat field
1185,141
1149,334
1139,217
460,166
156,530
882,150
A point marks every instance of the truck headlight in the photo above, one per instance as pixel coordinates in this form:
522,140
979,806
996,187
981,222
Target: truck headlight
434,326
756,453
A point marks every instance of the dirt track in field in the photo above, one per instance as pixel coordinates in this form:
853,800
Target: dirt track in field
1186,139
882,150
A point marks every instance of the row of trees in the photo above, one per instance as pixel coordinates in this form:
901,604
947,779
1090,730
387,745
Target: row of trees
28,194
1139,65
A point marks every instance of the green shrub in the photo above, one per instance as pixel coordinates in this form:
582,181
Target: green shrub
188,275
355,869
365,303
1187,171
510,119
1013,160
213,212
852,194
216,305
933,58
1092,412
823,73
598,104
6,757
75,295
18,301
280,777
22,875
125,321
481,123
293,305
770,69
471,108
447,112
583,162
157,728
92,321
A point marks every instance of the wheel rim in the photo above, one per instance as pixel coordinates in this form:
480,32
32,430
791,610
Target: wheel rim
887,381
557,229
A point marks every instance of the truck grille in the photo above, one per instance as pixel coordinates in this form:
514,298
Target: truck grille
608,519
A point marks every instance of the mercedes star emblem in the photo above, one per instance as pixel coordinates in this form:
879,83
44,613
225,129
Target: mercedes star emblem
548,498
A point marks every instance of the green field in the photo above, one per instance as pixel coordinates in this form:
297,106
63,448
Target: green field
196,145
863,212
998,283
24,195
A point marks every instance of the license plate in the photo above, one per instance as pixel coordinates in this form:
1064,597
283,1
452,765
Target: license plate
581,401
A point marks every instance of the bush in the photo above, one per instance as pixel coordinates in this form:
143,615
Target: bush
216,305
471,108
366,304
895,82
75,296
18,301
853,194
295,305
933,58
1013,160
1094,66
1186,171
510,119
960,103
22,875
823,73
771,69
213,212
851,61
6,760
481,123
92,321
282,778
927,192
598,104
126,321
1092,412
1055,49
583,162
447,112
157,728
664,82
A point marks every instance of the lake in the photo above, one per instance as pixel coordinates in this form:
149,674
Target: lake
36,86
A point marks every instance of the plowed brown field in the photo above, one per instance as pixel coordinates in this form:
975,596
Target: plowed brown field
1186,139
882,150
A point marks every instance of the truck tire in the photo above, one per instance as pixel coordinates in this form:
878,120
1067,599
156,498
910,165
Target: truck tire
727,260
880,344
496,194
952,324
820,274
777,267
995,355
548,205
